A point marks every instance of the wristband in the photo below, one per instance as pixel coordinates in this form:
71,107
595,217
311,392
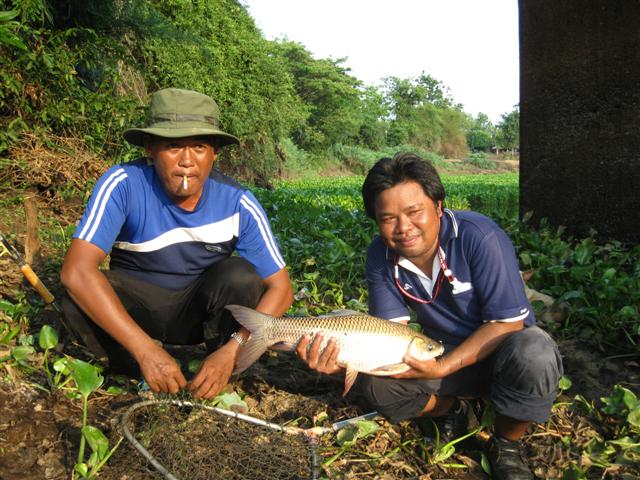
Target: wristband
238,338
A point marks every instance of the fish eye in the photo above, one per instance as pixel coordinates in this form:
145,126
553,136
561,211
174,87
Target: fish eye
430,347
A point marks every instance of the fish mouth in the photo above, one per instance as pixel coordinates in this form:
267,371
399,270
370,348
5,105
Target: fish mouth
437,350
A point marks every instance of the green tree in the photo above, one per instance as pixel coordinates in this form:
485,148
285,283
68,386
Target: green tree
453,142
422,113
331,97
374,113
433,91
228,59
480,133
89,71
508,130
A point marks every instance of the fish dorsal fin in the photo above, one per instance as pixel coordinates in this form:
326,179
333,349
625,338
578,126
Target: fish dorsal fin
349,379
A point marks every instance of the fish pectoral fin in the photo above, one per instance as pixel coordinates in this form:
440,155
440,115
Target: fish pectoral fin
349,379
393,369
283,347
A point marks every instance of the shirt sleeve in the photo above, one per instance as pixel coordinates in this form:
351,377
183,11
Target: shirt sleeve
105,214
256,242
385,300
497,280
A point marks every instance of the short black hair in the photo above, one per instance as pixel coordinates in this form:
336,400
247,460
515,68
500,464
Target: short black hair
403,167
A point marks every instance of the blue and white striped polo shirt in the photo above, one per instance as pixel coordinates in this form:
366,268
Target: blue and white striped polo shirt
150,237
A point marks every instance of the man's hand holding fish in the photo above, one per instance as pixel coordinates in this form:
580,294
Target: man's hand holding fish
321,360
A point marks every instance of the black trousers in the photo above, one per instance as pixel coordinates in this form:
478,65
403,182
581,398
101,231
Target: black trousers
520,379
180,317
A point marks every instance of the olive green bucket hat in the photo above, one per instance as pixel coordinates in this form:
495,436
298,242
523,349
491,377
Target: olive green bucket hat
176,113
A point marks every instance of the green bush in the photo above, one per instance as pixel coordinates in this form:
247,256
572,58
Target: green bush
599,283
481,160
457,202
299,163
360,159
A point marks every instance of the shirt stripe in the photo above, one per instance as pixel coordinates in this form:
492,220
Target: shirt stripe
404,318
509,320
264,230
267,235
453,221
216,232
103,205
104,186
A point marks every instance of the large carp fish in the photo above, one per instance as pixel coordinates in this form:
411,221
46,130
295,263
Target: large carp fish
367,344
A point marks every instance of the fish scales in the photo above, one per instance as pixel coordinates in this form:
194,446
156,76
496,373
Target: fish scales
366,344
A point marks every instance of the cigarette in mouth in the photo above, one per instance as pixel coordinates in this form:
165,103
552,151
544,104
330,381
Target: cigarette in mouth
184,182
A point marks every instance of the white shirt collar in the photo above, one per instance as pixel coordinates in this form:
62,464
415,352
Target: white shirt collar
427,282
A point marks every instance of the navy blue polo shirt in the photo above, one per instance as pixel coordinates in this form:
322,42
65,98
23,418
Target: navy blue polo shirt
483,261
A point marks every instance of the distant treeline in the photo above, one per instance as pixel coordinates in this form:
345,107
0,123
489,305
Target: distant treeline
85,68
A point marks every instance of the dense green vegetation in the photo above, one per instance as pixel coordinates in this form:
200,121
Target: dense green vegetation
84,69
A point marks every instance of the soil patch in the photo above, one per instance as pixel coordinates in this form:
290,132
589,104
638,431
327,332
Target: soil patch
39,431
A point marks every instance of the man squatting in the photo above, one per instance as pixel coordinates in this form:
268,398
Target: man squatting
170,223
459,274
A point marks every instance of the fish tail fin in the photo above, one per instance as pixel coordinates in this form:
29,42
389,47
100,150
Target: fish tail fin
254,322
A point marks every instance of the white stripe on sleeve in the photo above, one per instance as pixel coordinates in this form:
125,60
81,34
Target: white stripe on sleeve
404,319
264,230
96,204
103,205
508,320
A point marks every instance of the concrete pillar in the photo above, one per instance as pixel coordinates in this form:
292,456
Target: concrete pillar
580,114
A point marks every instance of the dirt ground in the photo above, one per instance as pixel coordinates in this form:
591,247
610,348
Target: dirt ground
39,431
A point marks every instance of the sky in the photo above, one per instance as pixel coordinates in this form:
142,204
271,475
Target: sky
471,46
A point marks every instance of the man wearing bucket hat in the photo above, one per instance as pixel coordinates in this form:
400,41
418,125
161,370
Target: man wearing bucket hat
170,223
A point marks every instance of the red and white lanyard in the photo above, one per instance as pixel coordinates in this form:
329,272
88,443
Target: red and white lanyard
444,269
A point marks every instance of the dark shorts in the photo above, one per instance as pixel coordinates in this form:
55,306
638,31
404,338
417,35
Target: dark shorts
520,379
180,317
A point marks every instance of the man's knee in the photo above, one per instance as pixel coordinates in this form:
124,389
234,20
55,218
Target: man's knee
394,399
230,281
527,369
240,274
529,358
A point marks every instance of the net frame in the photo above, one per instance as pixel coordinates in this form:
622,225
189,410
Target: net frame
310,435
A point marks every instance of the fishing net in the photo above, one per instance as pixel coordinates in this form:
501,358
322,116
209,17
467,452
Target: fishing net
190,441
